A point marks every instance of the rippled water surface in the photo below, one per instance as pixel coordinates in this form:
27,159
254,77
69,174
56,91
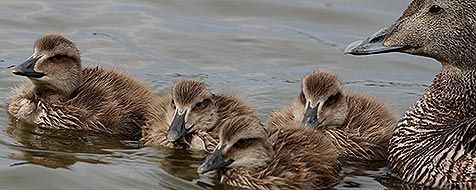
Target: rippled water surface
259,48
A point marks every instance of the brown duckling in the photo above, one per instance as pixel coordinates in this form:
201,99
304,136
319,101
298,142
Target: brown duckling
62,95
434,144
253,157
359,126
190,115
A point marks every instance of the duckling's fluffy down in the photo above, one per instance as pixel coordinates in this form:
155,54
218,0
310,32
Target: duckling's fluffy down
106,101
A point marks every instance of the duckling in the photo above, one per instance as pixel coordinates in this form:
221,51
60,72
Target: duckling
60,94
359,126
434,143
191,116
251,156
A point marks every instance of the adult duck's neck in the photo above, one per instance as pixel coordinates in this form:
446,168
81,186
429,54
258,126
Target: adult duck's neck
450,98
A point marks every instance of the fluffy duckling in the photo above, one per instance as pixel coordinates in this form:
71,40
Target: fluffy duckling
253,157
191,116
359,126
62,95
434,144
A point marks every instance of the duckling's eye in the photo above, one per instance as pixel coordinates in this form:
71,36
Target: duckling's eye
241,143
59,57
435,9
199,105
202,104
172,104
333,99
302,98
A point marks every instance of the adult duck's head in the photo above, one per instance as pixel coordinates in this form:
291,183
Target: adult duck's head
441,29
320,102
192,108
54,65
243,144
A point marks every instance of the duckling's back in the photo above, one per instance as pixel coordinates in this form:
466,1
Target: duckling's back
369,124
120,103
370,117
303,158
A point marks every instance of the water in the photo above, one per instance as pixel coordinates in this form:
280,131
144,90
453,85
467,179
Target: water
259,48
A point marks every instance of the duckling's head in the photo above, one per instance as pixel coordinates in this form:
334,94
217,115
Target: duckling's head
440,29
243,144
192,109
320,102
55,65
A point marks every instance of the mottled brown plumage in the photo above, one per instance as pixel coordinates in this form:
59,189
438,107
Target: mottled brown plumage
62,95
358,125
204,113
275,157
434,143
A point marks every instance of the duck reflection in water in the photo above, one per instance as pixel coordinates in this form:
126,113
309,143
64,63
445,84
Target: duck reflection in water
58,148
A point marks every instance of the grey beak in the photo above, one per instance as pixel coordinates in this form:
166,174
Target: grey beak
214,161
374,44
310,116
177,129
28,68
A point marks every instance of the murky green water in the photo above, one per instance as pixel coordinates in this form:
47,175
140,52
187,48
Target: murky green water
259,48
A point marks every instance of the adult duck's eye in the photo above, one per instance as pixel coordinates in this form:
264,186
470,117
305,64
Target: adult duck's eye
172,103
435,9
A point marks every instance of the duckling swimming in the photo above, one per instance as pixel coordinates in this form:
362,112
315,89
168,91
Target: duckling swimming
434,143
359,126
191,116
253,157
62,95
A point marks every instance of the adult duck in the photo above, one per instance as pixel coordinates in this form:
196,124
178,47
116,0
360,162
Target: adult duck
434,143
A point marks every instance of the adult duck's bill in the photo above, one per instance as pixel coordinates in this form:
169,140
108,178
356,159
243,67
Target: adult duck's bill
375,44
28,68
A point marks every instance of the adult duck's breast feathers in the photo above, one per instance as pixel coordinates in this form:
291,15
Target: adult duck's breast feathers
469,137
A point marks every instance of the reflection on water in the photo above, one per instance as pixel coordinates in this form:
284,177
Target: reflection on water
259,48
53,148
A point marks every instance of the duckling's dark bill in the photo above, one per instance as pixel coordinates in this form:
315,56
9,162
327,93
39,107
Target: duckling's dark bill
28,69
177,129
373,44
310,117
214,161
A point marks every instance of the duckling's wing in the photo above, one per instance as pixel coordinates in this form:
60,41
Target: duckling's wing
58,115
